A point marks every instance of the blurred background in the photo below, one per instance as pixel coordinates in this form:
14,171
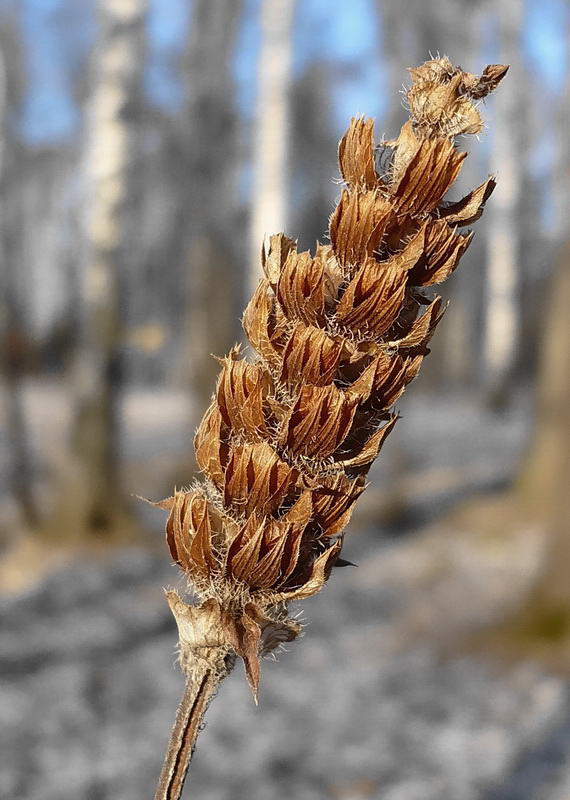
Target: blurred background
146,146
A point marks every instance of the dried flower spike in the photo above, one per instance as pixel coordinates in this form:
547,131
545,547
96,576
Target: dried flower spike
289,438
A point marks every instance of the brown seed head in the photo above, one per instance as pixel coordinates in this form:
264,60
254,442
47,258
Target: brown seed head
289,438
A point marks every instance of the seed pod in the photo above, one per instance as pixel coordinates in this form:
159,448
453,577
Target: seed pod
289,438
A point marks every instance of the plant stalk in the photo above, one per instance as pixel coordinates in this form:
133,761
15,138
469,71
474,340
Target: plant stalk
198,693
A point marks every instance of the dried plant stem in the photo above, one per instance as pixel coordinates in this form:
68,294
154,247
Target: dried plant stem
206,659
198,693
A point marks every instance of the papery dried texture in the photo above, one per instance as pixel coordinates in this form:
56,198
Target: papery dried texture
265,551
300,288
287,443
372,300
356,154
385,379
311,356
189,533
442,96
241,396
358,224
318,423
256,478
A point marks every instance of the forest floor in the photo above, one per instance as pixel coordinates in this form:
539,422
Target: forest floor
380,699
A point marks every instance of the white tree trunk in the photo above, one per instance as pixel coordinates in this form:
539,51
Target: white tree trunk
502,278
270,181
107,157
91,497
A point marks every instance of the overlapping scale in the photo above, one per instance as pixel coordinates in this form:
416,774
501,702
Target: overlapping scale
301,288
310,356
358,224
256,478
372,300
189,533
241,396
319,421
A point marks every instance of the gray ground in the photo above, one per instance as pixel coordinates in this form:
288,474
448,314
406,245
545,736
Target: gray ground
361,707
353,710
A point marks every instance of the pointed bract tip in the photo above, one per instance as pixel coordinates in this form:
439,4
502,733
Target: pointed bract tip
343,562
498,70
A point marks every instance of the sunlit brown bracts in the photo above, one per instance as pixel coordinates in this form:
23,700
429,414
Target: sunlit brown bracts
292,431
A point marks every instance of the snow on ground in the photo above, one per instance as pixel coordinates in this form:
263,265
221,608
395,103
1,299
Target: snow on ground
355,709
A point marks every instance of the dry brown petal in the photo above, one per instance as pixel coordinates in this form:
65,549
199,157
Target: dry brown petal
273,632
371,302
405,147
371,448
265,551
174,524
470,208
248,636
332,274
300,290
297,518
443,251
201,550
301,511
420,183
256,634
356,154
241,393
492,75
257,479
291,554
206,631
358,224
310,356
165,504
189,534
421,330
274,256
319,421
212,450
413,367
320,571
410,254
268,569
243,552
334,503
385,379
263,325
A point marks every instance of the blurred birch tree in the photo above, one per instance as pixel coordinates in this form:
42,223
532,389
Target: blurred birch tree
269,203
90,499
502,285
312,156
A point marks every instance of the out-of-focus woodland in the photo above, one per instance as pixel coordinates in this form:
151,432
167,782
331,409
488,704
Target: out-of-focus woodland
146,147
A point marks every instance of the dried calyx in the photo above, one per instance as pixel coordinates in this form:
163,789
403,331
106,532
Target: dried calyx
289,438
